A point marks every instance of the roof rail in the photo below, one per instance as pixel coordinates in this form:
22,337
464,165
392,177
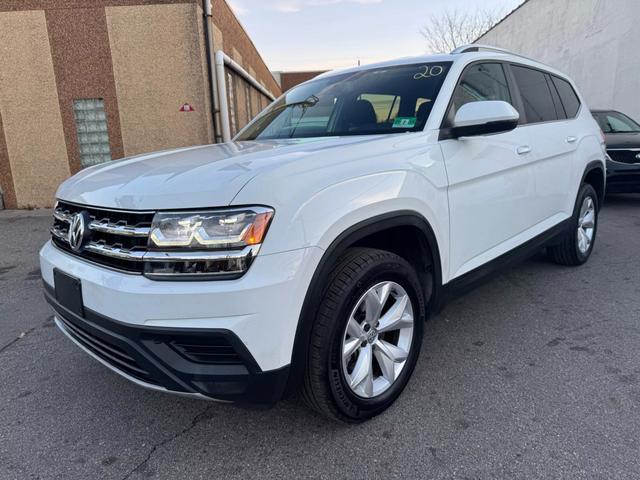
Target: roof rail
475,47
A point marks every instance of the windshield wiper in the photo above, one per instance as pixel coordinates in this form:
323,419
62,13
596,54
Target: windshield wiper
310,101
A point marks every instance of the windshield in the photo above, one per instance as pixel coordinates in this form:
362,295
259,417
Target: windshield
616,122
366,102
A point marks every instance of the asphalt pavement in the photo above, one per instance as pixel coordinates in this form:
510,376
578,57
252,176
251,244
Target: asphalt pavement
536,374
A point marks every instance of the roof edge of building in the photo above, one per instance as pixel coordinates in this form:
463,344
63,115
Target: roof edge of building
502,19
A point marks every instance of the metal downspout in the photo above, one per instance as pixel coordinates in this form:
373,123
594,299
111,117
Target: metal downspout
225,127
223,60
209,47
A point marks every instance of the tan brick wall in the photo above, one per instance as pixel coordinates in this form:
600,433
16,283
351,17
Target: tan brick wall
145,58
30,111
204,68
6,178
157,67
218,39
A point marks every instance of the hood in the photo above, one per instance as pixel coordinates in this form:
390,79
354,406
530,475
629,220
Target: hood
196,177
622,140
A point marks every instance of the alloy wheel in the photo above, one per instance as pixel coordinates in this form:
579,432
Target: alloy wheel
377,339
586,225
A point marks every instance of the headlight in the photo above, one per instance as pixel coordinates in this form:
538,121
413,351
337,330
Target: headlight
206,243
220,230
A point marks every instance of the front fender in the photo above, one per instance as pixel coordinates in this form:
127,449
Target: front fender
320,196
356,200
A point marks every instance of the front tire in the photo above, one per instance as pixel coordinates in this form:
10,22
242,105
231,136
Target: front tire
577,244
366,337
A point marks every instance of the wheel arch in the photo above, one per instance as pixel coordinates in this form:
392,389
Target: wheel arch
361,234
594,174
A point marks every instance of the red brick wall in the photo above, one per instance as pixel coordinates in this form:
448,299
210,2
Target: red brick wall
291,79
20,5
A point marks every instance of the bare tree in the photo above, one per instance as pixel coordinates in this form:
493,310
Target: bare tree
453,28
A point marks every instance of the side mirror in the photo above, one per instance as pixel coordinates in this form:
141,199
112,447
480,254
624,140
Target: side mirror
484,117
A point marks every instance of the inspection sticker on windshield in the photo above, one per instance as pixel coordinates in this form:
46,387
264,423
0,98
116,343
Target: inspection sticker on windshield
404,122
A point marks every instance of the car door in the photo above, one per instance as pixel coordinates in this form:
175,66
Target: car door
552,139
491,182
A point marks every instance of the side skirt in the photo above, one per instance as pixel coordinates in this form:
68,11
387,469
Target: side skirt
467,282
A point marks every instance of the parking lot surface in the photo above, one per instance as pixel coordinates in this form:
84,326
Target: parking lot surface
536,374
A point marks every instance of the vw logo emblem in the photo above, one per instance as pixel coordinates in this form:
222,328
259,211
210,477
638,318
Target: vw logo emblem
76,231
638,156
372,335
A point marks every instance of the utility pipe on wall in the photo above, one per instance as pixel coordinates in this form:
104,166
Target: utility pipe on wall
223,60
209,47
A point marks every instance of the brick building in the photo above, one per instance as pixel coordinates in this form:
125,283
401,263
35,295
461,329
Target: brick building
87,81
289,80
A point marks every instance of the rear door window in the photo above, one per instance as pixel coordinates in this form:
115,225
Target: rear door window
568,96
535,94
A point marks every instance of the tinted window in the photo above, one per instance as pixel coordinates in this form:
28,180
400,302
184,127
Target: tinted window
362,102
483,81
535,94
560,111
568,96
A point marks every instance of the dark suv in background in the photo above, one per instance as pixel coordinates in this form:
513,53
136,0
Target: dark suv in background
622,136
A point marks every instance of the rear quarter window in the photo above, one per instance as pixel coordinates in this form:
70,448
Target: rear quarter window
568,96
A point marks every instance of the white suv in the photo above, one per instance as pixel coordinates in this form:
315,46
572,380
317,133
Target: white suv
308,253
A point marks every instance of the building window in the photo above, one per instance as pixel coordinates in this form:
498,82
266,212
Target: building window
91,127
232,104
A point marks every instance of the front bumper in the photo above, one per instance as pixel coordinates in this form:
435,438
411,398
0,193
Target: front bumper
156,358
148,331
623,178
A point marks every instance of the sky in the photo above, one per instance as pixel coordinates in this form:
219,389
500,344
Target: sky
328,34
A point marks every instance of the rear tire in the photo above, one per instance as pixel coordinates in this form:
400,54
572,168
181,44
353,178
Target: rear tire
577,243
389,346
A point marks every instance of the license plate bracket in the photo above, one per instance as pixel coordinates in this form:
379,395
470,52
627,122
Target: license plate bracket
68,291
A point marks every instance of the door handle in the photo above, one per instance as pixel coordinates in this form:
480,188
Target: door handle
571,139
524,149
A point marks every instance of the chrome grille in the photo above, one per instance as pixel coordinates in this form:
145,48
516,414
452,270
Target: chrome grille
117,238
629,156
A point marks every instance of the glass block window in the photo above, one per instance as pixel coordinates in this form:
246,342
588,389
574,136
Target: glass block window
91,127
